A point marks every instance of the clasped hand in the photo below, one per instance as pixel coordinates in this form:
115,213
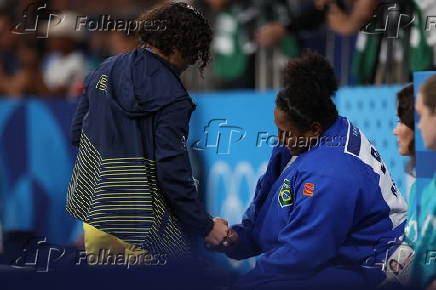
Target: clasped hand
221,237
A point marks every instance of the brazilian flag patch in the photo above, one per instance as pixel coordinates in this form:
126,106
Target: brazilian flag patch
286,197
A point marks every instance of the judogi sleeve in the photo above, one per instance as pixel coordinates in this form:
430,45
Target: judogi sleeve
247,246
317,225
174,168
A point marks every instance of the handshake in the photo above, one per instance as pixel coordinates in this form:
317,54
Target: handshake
221,237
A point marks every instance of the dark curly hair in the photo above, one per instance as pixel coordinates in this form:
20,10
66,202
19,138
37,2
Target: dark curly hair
181,27
310,84
406,106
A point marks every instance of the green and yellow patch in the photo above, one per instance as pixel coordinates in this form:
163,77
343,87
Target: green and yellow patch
286,197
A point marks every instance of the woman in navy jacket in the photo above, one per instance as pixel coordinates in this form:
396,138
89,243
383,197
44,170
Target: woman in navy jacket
132,183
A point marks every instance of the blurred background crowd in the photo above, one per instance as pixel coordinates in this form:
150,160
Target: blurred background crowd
252,41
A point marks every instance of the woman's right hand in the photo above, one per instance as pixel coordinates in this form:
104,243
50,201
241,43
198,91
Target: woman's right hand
218,233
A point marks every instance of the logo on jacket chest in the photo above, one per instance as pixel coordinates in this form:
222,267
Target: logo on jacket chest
102,83
286,197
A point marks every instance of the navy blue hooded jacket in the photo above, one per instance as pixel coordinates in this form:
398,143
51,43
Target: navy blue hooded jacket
133,177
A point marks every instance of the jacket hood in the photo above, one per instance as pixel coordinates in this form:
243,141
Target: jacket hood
139,82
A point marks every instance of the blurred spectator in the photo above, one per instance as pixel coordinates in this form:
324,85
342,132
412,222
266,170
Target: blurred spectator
423,274
234,44
379,57
65,65
278,12
240,27
232,48
8,45
28,79
271,33
312,16
428,8
19,63
346,22
405,132
392,56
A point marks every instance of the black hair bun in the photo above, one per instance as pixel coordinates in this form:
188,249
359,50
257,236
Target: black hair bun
313,72
310,83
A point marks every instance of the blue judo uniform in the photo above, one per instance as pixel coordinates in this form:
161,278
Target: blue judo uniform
325,218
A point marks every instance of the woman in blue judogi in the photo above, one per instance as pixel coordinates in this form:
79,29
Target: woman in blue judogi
328,215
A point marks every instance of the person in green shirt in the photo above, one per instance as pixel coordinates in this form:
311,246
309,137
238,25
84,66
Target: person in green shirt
424,266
